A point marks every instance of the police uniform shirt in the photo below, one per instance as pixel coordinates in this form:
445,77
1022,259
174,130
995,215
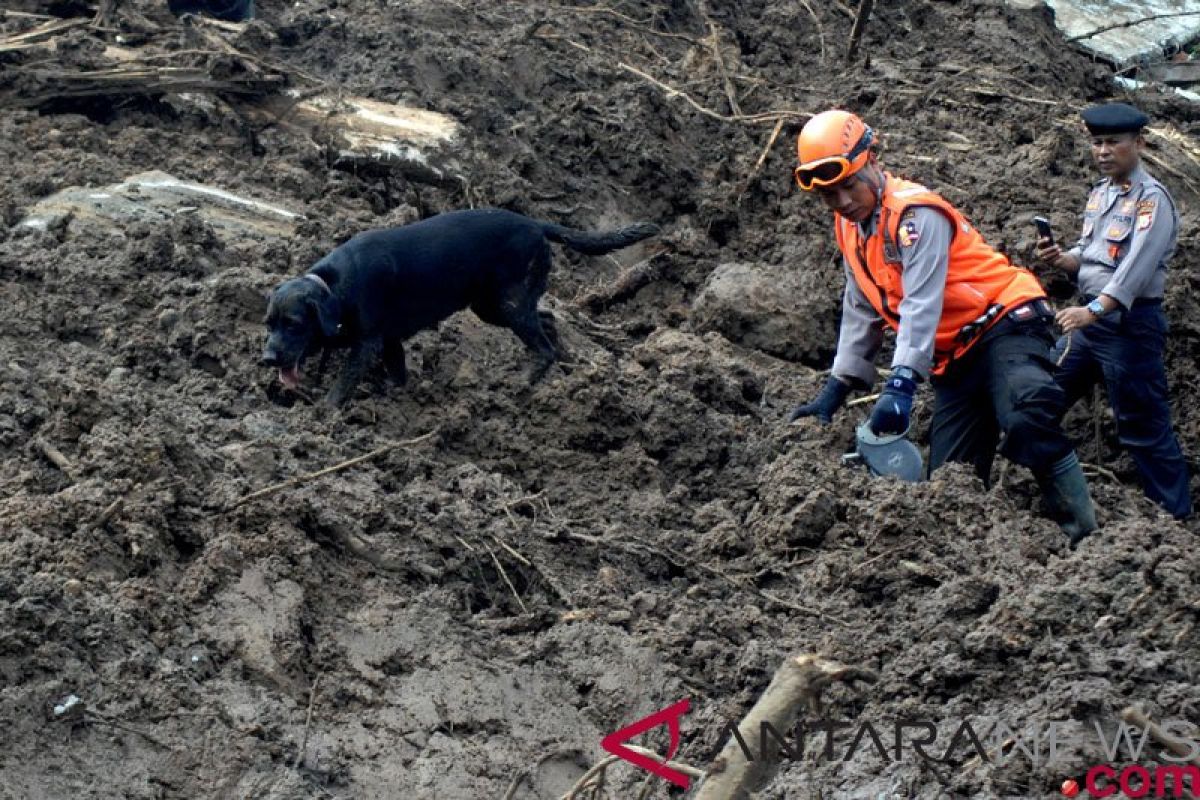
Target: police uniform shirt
1129,233
924,245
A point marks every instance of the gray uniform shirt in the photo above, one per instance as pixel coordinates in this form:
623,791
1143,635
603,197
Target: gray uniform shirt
924,244
1128,236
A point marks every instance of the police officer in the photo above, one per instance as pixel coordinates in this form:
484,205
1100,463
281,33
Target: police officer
965,318
1120,266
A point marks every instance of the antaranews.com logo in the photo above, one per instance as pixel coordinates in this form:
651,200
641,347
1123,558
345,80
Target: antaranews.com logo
1171,749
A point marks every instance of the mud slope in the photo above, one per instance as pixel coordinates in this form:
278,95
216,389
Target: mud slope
527,569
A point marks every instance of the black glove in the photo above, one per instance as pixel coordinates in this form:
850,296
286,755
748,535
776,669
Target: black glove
832,397
894,406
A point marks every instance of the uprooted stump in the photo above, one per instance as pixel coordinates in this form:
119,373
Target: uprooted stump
798,683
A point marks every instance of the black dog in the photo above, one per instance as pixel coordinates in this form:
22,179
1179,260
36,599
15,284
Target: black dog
383,286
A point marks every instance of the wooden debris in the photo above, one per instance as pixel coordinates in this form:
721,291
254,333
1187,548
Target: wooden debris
55,457
860,25
797,684
360,133
39,36
1180,747
627,284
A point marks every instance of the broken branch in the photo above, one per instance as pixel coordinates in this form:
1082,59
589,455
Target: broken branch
798,682
627,284
1180,747
860,24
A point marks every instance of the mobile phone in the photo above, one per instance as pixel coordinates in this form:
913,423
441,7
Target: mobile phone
1043,228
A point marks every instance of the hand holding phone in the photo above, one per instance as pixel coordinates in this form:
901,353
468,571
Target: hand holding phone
1043,229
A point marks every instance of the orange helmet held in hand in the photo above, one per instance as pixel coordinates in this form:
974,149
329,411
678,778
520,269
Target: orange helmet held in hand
832,146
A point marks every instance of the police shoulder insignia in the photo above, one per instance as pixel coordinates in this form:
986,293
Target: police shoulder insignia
1145,214
1127,207
908,233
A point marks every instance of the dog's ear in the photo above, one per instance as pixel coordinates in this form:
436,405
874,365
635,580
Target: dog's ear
329,314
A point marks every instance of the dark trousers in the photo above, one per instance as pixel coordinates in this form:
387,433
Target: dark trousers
1125,351
1002,390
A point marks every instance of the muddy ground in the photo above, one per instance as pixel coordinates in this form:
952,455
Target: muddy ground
466,615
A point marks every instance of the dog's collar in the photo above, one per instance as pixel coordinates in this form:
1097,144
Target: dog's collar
319,281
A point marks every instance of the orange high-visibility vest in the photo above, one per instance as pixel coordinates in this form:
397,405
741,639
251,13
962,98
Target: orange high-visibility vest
978,281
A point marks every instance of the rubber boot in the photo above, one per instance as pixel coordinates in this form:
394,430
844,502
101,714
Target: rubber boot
1067,493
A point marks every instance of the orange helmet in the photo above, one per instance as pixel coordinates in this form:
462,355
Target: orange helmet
832,146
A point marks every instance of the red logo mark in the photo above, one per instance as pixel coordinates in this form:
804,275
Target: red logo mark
614,742
1070,788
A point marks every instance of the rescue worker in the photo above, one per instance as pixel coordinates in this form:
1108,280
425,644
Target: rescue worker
1120,266
966,319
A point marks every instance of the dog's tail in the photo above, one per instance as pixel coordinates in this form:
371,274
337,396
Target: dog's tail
596,243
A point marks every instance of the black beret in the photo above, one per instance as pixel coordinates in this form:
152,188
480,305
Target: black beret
1114,118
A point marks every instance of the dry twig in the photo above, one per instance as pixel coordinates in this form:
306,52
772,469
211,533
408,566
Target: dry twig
509,583
714,43
596,773
312,697
1163,165
817,22
1131,23
121,726
672,92
641,550
762,159
327,471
